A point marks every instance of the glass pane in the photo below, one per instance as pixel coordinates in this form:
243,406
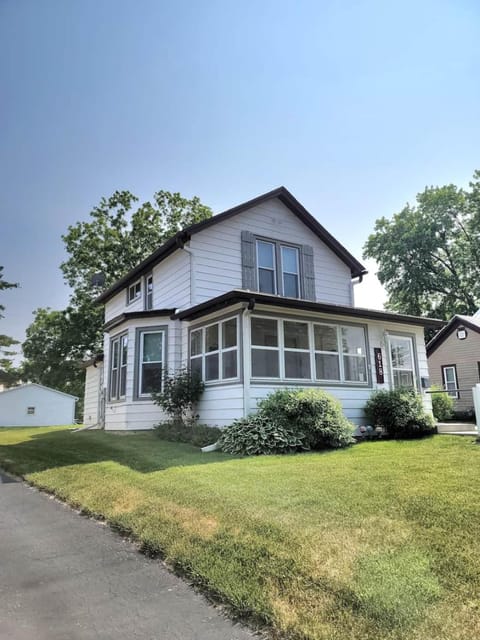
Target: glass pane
296,335
355,369
151,378
123,381
196,367
113,383
266,280
402,379
265,364
123,355
152,347
290,259
211,338
401,353
327,366
229,364
353,340
297,365
115,347
196,342
229,337
264,332
325,338
266,254
290,285
449,375
211,367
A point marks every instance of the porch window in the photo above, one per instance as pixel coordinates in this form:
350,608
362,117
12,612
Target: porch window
118,367
450,383
265,348
151,362
402,361
296,350
214,351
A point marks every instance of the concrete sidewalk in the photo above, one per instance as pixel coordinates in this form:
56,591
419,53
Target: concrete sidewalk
66,577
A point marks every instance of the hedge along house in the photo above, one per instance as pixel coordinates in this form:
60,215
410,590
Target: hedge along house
454,359
253,299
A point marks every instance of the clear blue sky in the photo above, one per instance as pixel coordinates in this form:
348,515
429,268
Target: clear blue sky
354,106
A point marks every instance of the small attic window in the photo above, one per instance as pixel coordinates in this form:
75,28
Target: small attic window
134,292
30,411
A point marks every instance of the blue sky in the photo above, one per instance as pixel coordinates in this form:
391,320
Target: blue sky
354,106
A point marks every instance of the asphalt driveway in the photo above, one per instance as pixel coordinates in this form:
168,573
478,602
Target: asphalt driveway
66,577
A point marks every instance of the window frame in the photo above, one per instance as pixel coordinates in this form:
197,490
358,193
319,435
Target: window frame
220,351
137,296
148,295
137,377
114,394
453,394
313,380
415,372
278,271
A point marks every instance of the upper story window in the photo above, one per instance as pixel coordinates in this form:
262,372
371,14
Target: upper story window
134,292
214,351
278,268
149,292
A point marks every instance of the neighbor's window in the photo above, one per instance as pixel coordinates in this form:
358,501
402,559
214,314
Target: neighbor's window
30,411
301,350
278,268
402,361
149,292
134,292
214,351
151,361
450,384
118,367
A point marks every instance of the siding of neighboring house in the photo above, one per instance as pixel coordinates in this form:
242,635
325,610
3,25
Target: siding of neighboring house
218,260
50,407
92,398
465,354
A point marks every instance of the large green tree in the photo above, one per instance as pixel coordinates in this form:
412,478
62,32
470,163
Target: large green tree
118,235
8,372
428,254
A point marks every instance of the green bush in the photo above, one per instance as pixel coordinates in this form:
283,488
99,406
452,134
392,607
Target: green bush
200,435
311,413
181,391
400,413
442,404
257,435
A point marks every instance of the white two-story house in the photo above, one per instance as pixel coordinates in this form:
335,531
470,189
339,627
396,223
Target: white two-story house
253,299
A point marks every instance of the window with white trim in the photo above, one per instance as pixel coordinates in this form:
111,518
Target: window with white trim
450,383
302,350
402,361
149,291
134,291
30,411
214,351
151,360
278,268
118,367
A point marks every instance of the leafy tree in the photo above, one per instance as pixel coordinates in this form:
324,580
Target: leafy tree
429,254
8,373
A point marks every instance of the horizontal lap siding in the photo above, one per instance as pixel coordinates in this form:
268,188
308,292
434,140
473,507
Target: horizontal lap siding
171,282
217,253
220,405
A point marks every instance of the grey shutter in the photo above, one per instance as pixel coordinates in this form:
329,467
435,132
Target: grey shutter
308,273
248,261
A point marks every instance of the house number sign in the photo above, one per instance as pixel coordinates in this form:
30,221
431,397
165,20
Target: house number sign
379,365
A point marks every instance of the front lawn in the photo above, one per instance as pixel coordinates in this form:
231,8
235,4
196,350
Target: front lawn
379,541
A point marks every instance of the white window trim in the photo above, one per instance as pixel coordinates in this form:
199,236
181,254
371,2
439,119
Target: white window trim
284,271
114,394
148,277
138,295
274,251
143,332
278,271
410,340
451,393
220,351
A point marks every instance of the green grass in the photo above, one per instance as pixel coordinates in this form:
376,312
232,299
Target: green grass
380,541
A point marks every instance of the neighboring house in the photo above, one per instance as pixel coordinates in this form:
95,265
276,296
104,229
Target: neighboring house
257,298
454,359
33,405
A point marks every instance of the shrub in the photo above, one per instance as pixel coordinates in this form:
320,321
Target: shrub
181,391
442,404
257,435
400,412
312,413
199,435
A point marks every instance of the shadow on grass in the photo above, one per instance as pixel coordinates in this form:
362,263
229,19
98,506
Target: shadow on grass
143,452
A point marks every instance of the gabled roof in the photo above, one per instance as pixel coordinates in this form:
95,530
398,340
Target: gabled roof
40,386
179,239
470,322
253,298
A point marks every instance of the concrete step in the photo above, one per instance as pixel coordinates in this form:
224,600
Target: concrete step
463,428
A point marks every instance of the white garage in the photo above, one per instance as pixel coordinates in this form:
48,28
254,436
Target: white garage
33,405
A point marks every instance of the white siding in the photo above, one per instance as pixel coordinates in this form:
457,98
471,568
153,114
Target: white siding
221,404
51,407
91,407
217,253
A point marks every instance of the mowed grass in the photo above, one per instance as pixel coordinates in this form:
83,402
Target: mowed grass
380,541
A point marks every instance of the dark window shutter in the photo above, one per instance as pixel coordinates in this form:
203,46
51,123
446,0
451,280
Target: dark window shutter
248,261
308,273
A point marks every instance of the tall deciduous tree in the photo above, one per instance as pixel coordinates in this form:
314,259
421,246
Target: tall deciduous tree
429,253
8,373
